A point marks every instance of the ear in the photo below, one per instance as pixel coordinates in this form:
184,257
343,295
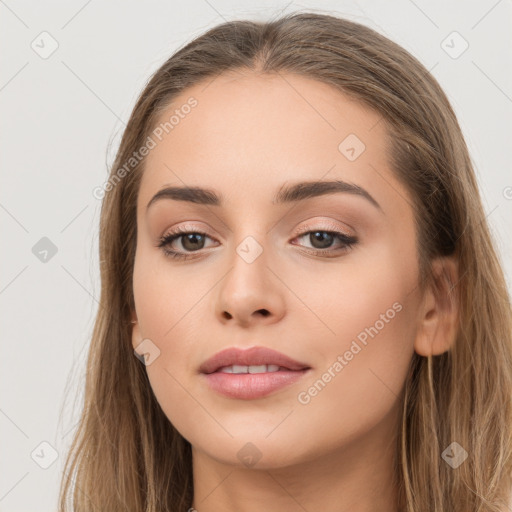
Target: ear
439,312
136,337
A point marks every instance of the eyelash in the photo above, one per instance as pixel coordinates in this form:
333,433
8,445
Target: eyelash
347,241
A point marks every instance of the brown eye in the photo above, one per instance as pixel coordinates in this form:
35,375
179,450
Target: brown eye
322,241
191,241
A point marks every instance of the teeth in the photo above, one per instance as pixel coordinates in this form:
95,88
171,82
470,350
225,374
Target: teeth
259,369
264,368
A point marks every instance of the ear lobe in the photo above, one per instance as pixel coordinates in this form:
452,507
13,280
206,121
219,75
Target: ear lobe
439,313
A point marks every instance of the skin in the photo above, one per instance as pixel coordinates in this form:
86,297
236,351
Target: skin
248,135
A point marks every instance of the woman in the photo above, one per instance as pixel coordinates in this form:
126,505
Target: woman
301,305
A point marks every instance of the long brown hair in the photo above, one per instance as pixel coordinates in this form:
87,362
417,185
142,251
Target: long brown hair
126,455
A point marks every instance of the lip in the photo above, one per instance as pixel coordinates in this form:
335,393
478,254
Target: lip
249,386
249,357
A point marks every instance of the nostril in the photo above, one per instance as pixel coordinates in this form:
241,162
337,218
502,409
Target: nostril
262,312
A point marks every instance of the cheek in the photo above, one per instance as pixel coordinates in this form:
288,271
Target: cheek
368,287
165,297
169,311
368,308
359,388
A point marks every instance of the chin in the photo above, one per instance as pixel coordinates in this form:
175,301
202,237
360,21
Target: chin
252,451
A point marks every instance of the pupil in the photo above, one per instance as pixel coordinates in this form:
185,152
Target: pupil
323,237
192,238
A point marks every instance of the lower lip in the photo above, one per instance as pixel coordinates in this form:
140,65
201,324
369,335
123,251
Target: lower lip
249,386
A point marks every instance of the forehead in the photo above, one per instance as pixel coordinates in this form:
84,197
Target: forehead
247,133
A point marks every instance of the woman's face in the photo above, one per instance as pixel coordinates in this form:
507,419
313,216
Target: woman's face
327,279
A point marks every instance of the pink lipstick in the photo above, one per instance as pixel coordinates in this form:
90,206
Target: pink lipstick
252,373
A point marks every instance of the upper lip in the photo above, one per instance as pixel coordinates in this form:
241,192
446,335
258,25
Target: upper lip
249,357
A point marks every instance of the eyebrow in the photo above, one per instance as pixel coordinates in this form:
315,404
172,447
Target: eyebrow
286,194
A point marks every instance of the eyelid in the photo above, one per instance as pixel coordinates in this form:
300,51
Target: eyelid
186,228
319,225
324,225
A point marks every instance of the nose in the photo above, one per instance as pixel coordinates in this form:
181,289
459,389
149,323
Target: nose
250,293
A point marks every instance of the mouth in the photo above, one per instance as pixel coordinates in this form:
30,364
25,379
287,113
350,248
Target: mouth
263,368
252,373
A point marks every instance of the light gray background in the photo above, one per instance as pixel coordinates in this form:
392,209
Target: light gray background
59,115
